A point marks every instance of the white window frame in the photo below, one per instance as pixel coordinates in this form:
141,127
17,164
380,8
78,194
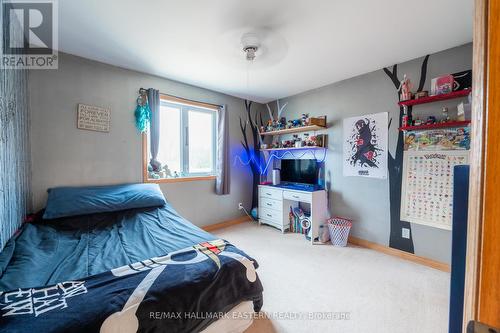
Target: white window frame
184,141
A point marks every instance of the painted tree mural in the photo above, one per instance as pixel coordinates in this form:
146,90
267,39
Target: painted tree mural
251,144
395,165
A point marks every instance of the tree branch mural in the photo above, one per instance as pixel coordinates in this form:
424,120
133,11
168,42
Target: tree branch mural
252,148
395,165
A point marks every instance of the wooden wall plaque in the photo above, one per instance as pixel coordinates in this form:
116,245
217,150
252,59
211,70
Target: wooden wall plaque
93,118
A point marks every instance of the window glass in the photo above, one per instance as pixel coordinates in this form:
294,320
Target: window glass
169,151
201,137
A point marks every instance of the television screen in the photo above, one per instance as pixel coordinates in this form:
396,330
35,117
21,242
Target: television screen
300,171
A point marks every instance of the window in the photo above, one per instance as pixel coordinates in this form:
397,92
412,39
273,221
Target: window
188,138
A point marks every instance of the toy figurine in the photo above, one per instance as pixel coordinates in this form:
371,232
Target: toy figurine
405,88
313,141
306,139
431,120
296,122
269,127
167,171
305,119
278,125
283,121
289,124
446,114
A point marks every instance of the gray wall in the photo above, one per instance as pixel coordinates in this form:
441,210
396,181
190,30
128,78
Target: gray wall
65,155
363,199
14,147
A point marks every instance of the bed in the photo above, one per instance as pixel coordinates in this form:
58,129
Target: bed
121,259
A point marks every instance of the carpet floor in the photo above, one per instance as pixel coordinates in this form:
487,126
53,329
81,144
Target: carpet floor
343,290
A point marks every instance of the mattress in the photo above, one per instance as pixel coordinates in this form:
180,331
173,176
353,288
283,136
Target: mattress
90,273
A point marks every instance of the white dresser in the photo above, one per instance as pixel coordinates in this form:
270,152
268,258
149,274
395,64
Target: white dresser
275,202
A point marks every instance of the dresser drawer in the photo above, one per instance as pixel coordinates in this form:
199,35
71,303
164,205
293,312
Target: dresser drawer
270,193
297,196
271,204
271,215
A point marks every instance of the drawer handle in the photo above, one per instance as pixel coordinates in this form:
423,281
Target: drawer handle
268,204
295,196
268,193
269,215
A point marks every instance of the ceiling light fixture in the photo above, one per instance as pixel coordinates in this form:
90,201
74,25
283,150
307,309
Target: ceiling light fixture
250,42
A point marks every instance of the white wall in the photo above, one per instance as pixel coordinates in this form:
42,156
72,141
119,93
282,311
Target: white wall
64,155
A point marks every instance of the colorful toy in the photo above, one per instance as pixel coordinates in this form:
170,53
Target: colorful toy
405,88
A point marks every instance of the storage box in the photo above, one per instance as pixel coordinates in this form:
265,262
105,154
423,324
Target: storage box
442,85
319,121
463,111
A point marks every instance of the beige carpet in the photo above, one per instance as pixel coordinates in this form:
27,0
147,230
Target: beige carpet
379,293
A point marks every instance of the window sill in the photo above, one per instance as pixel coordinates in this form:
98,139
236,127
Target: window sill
179,180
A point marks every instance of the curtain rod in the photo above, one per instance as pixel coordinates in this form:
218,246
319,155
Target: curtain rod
186,99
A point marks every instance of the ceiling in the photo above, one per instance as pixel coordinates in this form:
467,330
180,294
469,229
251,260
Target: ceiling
305,44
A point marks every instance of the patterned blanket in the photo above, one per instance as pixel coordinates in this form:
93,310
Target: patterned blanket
183,291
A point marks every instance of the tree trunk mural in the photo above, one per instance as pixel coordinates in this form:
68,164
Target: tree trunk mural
252,147
395,165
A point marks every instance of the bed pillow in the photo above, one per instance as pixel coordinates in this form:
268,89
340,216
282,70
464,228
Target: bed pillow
71,201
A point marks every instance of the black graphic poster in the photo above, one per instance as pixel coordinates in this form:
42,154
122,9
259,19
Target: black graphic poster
365,146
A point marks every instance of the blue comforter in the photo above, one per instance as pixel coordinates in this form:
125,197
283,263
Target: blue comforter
79,257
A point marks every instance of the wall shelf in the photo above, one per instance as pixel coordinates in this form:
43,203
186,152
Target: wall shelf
295,130
436,98
435,126
292,148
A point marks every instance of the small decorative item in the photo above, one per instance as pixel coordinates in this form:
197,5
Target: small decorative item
142,111
431,120
442,85
421,94
405,88
306,137
404,121
304,120
93,118
446,114
283,121
269,127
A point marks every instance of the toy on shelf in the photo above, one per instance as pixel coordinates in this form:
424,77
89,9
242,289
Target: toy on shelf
307,141
421,94
442,85
282,123
405,88
438,139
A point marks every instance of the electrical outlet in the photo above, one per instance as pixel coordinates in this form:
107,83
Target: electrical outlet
240,206
405,233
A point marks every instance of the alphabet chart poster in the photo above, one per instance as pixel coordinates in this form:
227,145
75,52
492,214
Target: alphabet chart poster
427,191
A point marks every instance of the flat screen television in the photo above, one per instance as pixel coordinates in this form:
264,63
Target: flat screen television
303,171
